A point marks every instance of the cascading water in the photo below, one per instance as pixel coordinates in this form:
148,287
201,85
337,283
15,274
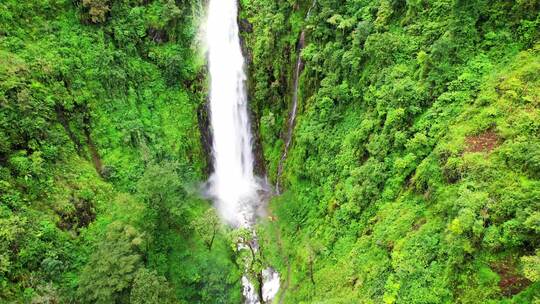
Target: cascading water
233,185
292,114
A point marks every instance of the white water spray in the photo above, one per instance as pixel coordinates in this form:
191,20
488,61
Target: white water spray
233,185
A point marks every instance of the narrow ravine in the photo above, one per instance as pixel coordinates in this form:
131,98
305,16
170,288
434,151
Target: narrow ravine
235,189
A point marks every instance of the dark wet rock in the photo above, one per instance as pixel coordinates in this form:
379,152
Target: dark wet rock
157,35
245,26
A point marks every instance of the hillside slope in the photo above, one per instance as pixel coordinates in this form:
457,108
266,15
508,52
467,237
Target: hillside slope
100,157
414,172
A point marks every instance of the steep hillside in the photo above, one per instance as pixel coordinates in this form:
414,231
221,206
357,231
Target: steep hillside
100,157
414,170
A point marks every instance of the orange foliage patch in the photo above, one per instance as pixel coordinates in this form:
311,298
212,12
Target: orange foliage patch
511,282
484,142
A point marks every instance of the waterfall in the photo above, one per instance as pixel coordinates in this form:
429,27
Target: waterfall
233,185
292,113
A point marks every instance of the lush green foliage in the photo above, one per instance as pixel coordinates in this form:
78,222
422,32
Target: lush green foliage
413,176
100,156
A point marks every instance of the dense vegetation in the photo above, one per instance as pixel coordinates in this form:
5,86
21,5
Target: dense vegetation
413,177
100,156
414,174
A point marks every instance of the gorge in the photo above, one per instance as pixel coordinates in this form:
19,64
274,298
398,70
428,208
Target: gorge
235,189
402,138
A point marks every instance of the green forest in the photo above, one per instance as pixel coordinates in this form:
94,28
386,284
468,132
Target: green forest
413,175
